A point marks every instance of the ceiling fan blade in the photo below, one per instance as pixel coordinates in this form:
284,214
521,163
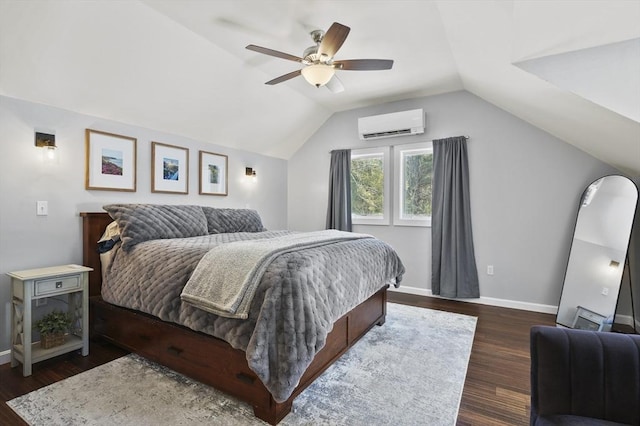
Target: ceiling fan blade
335,85
333,39
275,53
364,64
284,77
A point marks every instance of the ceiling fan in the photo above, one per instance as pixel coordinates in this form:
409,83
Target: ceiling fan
319,65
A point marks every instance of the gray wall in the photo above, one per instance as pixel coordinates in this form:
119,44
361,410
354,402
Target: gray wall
525,190
30,241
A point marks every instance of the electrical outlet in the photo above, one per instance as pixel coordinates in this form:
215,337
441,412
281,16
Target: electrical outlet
42,208
489,269
41,302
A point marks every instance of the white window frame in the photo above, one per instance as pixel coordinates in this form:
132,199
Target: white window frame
399,152
386,169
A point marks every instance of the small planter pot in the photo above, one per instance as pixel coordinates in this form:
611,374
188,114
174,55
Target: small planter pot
51,340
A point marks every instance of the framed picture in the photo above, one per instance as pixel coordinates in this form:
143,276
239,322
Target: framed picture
110,161
169,168
213,173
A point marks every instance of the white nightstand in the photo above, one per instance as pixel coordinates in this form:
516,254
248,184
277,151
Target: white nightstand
33,284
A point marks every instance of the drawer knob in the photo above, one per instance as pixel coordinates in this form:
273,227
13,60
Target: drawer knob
58,284
245,378
174,351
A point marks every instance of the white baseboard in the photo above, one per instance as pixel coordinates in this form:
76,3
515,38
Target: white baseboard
492,301
5,357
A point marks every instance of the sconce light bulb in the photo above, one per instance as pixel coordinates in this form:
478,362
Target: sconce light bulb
51,152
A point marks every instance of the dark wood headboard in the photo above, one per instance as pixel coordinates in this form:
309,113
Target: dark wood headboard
93,226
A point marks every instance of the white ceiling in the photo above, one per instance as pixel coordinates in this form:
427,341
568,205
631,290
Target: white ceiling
181,66
607,75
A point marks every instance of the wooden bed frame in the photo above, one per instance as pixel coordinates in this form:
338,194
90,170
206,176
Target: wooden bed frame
203,357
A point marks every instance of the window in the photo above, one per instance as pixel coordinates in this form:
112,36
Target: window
370,186
412,184
412,189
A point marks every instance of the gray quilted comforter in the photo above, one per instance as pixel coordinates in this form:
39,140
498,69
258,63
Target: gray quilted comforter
301,294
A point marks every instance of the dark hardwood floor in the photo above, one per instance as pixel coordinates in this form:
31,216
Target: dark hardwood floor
496,390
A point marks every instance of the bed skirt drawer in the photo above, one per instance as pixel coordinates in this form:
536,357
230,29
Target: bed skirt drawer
199,356
133,334
362,317
181,349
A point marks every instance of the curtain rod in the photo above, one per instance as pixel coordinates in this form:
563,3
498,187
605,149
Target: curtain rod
361,147
465,136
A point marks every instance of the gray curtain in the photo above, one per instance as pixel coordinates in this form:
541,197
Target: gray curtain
454,272
339,209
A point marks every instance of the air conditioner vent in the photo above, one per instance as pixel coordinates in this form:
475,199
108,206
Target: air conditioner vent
387,134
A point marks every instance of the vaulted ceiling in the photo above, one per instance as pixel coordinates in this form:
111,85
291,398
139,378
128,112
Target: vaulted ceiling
182,67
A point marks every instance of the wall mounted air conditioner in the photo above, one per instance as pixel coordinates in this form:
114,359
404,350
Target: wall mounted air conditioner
401,123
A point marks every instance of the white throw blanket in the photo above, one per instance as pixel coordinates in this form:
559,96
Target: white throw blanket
226,278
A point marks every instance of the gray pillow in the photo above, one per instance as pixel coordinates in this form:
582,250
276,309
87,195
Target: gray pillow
143,222
220,221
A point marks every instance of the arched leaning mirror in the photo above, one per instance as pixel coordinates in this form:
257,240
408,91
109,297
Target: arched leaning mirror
598,253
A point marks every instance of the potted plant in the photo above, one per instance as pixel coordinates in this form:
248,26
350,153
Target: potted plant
52,328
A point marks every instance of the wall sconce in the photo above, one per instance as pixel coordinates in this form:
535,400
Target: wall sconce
48,142
250,172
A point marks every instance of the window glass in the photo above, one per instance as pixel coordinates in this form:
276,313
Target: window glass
369,186
414,173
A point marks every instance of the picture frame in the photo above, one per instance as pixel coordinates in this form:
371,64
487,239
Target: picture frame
169,168
214,175
110,161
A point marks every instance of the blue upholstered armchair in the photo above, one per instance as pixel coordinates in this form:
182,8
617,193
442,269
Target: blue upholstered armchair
581,377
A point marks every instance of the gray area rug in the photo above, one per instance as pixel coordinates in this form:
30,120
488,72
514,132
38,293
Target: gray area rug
410,371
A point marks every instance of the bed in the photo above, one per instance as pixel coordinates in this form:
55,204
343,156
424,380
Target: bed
220,348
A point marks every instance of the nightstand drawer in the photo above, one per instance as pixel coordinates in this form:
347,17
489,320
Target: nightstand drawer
56,285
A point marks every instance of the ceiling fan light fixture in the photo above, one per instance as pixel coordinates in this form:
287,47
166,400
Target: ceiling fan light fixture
318,74
318,64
